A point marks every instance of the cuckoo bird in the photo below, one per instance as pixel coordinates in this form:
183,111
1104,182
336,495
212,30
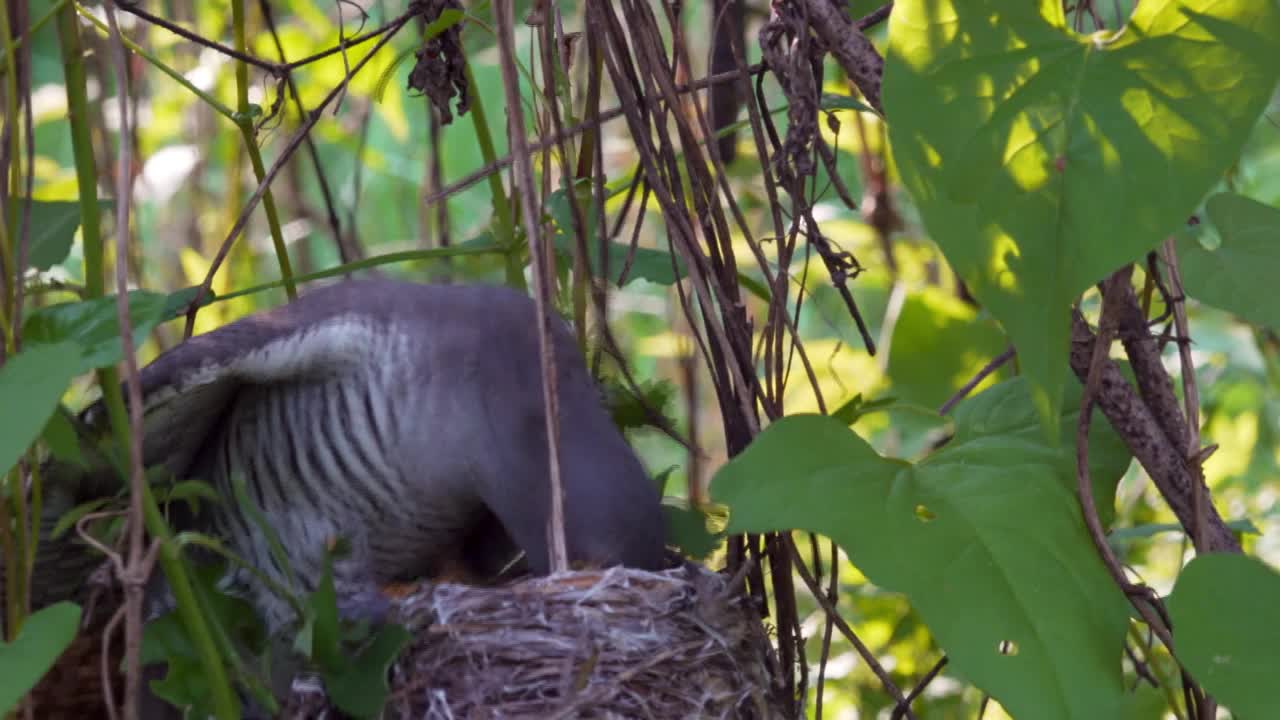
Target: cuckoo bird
408,418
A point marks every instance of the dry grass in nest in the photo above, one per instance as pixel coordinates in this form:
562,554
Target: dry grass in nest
617,643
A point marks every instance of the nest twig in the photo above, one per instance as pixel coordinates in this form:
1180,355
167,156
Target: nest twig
617,643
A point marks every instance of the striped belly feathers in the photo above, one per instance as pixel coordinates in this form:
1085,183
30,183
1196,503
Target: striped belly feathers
318,458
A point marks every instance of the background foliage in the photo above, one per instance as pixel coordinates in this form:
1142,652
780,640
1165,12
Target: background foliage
1025,152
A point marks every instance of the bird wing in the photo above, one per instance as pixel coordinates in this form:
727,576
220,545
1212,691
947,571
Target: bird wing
187,390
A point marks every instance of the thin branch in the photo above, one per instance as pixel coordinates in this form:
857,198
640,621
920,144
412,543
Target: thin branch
1190,390
523,172
275,69
920,686
1084,488
981,375
890,686
875,17
644,102
295,141
348,252
851,49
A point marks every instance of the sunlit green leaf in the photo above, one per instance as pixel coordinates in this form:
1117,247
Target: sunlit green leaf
939,343
1041,160
1002,417
984,537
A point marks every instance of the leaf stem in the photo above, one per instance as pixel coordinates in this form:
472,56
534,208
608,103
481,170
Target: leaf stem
245,121
503,220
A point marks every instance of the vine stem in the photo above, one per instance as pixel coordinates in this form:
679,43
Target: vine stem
135,573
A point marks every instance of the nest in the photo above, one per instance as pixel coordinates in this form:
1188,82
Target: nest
617,643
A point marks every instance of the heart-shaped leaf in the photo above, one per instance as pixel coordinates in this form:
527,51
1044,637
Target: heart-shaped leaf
1041,160
1240,274
984,537
1226,621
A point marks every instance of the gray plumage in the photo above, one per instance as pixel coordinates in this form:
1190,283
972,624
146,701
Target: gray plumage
408,418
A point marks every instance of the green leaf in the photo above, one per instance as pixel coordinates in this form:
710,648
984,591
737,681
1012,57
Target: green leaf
356,679
53,228
361,688
1240,275
42,639
191,492
322,642
32,383
72,516
165,640
984,537
856,407
687,529
831,102
630,412
60,436
1002,419
939,343
1226,622
1041,160
93,325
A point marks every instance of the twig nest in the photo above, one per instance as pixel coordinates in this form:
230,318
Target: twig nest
617,643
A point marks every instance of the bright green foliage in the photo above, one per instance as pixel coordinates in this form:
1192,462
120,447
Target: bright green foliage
990,423
43,637
1226,621
938,344
93,324
31,384
1041,160
984,537
1240,274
